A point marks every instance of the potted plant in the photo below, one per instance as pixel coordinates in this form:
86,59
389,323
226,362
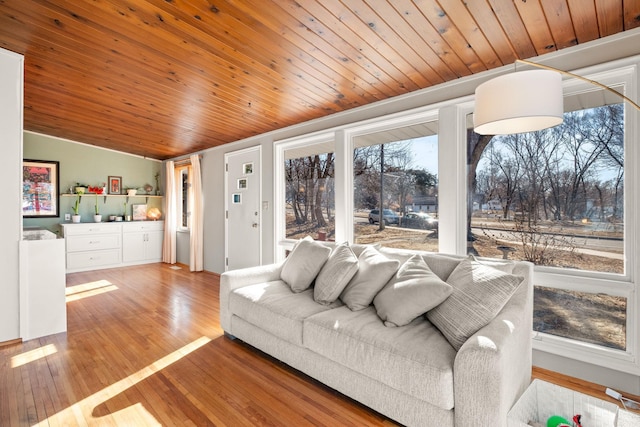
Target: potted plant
97,190
76,209
157,177
97,217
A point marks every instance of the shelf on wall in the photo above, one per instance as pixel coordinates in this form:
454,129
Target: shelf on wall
147,196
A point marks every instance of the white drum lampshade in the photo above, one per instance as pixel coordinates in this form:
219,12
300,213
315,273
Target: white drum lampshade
525,101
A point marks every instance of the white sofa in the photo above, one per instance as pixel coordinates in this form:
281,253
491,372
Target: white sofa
412,373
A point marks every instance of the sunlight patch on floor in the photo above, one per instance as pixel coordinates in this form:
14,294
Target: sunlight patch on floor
82,410
89,289
33,355
135,415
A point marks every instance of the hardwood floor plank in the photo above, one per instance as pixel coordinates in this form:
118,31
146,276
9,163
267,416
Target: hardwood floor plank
150,351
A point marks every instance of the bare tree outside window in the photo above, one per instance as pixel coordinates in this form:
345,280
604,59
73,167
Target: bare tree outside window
310,196
556,198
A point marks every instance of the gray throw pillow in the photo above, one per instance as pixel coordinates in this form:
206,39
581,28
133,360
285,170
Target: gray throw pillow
413,291
374,271
303,264
479,293
335,274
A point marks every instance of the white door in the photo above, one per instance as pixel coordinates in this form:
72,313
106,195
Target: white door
243,236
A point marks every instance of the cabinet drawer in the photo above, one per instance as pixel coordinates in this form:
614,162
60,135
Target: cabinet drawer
81,260
98,228
93,242
136,227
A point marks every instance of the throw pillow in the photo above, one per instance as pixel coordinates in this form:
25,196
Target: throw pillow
374,271
498,264
335,274
479,293
303,264
413,291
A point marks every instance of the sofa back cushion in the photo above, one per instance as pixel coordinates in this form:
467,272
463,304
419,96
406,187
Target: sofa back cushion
304,263
413,291
335,274
479,293
374,271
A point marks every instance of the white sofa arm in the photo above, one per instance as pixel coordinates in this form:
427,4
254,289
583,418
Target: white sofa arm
235,279
493,368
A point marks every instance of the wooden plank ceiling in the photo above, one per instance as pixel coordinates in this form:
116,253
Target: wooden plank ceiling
163,78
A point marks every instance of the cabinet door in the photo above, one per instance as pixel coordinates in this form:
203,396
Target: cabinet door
133,247
154,245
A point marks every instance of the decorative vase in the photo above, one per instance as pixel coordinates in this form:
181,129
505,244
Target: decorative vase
75,218
97,218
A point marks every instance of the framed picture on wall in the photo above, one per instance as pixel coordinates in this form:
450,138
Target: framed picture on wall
40,188
242,183
247,168
139,212
115,185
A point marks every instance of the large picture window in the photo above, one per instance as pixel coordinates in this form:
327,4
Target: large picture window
556,198
310,192
395,172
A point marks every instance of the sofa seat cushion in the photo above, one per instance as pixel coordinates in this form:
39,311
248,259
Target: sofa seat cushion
415,359
274,307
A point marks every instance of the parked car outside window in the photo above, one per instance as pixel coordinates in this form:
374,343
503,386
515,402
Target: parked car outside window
419,220
390,217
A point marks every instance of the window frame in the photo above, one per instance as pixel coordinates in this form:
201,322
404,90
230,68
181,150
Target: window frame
405,119
282,243
622,285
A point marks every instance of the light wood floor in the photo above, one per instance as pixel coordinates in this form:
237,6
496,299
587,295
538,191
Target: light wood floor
144,347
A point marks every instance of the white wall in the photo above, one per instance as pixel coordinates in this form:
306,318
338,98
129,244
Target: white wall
604,50
11,72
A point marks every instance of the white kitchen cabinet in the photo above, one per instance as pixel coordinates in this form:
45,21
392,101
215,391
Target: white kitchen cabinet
142,242
92,246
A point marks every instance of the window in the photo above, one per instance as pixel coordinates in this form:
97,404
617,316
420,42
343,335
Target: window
563,198
309,178
556,198
396,171
183,184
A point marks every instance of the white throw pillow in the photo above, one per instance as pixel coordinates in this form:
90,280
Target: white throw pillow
335,274
304,263
374,271
479,293
413,291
